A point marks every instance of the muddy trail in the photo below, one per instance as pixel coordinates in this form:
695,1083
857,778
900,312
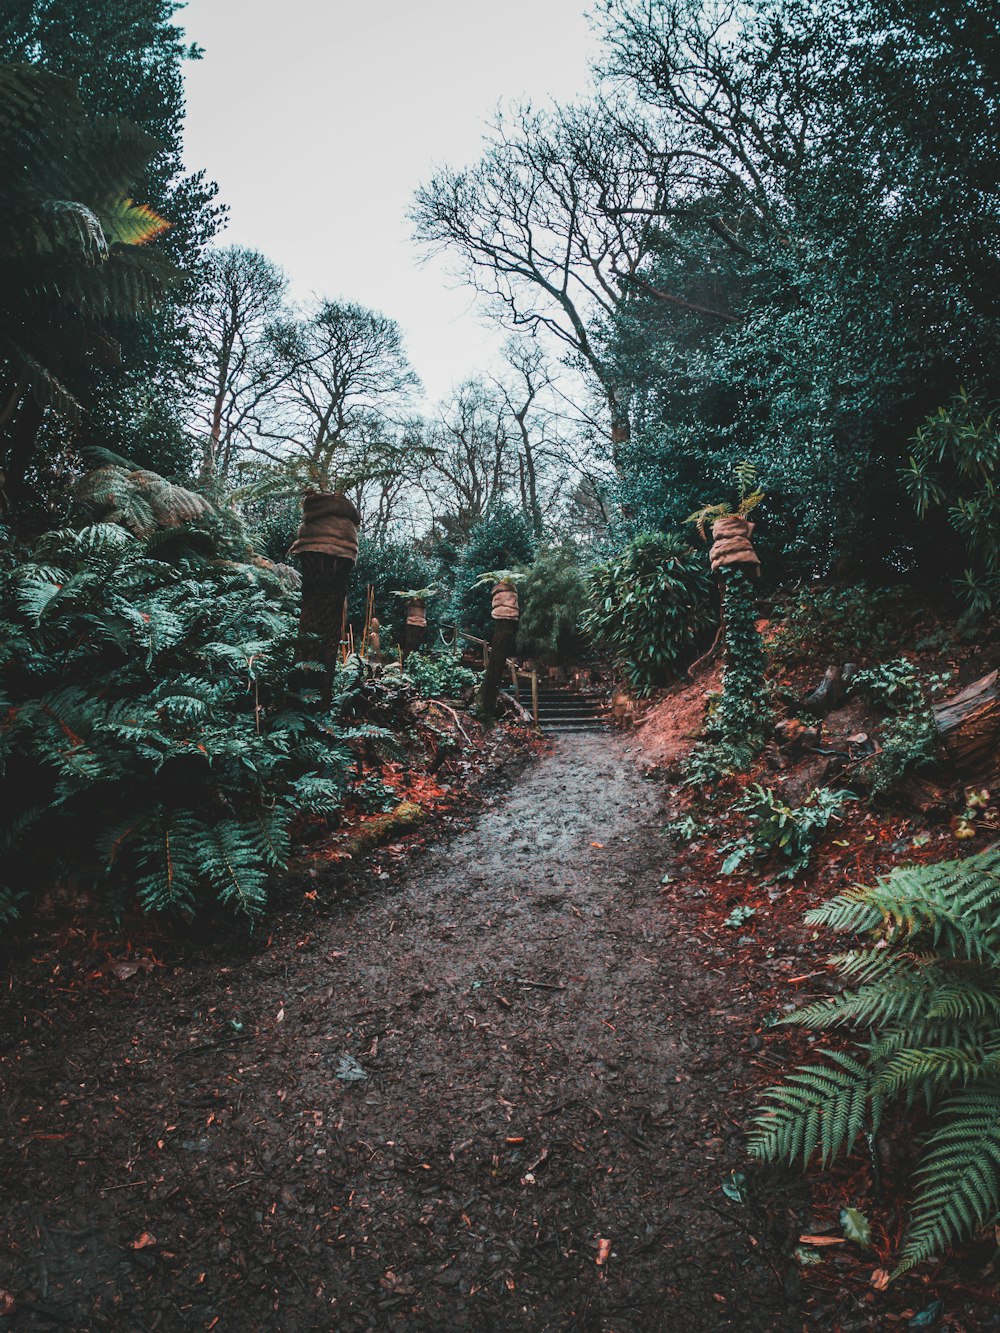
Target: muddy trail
501,1093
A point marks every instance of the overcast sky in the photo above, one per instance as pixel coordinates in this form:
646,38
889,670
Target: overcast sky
319,118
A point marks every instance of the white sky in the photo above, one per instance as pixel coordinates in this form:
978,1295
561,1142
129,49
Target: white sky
319,118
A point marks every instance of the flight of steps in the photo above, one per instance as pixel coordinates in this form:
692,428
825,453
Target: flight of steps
563,711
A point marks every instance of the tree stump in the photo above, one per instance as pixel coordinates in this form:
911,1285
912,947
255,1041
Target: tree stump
969,725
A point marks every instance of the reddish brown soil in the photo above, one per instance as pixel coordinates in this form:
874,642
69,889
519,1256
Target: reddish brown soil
548,1088
665,732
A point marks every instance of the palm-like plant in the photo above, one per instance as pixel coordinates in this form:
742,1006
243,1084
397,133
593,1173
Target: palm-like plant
73,254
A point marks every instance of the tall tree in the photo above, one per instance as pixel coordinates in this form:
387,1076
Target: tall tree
126,57
345,383
236,360
835,194
471,465
72,259
540,225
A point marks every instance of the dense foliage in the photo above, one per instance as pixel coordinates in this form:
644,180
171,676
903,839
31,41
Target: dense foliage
650,603
739,719
823,275
955,465
500,540
439,675
149,744
389,567
925,984
553,598
908,735
124,60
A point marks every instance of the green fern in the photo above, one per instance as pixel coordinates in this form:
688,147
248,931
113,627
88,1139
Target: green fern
926,987
156,749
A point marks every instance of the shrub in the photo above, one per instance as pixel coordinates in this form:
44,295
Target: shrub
553,598
148,744
439,675
649,605
908,738
925,985
386,566
837,624
955,463
790,831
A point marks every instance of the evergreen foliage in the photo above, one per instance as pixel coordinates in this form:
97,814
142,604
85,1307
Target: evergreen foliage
553,599
908,737
649,604
818,157
925,984
72,243
792,832
439,675
955,463
739,720
500,540
386,566
148,743
125,58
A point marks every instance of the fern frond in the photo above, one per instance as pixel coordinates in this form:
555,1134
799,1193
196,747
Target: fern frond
818,1106
955,903
958,1180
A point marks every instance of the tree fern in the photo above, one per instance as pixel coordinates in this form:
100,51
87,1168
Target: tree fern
928,992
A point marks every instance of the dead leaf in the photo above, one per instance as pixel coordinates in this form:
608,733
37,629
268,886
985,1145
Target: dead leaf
145,1241
822,1240
603,1251
8,1306
880,1279
597,844
125,970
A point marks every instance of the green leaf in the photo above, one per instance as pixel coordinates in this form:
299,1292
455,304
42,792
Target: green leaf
734,1187
856,1227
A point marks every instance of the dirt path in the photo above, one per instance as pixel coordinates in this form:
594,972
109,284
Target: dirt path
427,1112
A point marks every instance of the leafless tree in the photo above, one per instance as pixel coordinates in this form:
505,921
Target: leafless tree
345,388
473,459
561,205
235,364
745,87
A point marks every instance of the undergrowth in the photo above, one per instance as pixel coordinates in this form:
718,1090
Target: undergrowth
924,984
148,743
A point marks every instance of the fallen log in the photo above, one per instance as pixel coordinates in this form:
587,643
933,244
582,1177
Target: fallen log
969,725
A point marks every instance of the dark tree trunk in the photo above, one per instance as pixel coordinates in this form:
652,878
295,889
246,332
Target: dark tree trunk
503,637
324,592
412,638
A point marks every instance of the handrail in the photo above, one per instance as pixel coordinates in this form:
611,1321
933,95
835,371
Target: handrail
515,670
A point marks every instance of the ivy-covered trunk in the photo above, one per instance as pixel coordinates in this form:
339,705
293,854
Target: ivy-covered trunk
744,711
741,720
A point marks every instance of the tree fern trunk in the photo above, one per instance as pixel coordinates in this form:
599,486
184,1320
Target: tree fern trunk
324,591
503,637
